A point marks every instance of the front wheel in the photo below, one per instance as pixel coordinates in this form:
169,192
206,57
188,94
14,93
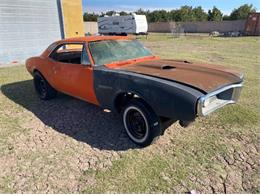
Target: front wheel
141,123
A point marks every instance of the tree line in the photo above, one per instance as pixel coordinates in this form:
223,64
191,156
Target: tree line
184,14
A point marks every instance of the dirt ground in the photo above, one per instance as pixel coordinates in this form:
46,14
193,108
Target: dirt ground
69,146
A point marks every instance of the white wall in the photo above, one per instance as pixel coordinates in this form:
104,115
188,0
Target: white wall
27,27
91,27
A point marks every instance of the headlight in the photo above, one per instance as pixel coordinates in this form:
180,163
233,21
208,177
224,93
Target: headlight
209,100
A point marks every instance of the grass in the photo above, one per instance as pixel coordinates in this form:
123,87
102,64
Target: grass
183,159
238,53
137,167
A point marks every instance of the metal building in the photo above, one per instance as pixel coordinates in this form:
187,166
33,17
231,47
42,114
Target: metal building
27,27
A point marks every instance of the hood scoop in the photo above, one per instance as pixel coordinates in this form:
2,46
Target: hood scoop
167,67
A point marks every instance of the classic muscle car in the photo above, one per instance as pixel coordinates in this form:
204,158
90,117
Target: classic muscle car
121,75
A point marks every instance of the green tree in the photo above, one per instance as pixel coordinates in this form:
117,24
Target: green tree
242,12
123,13
215,14
171,15
141,12
159,16
184,14
110,13
90,17
198,14
187,13
226,17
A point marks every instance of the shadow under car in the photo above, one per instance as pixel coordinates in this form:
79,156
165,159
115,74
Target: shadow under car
78,119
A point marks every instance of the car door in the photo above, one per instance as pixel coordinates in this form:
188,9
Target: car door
72,71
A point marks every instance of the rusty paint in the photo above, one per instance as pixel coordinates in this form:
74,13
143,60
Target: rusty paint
132,61
205,77
253,24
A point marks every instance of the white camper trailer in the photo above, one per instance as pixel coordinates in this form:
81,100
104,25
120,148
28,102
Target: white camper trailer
123,25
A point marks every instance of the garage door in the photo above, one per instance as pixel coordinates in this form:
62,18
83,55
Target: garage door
27,27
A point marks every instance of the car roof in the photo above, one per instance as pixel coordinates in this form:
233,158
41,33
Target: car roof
82,40
93,38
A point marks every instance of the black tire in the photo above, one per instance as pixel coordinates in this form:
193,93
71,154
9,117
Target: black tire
141,123
43,88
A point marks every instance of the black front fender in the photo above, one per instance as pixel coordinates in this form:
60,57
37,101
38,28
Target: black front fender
168,99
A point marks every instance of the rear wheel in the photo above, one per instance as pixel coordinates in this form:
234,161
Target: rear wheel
141,123
43,88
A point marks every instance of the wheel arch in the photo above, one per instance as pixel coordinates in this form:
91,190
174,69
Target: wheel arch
36,70
122,98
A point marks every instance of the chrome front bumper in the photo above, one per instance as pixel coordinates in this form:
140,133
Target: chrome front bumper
219,98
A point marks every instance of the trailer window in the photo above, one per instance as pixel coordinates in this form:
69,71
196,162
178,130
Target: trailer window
108,51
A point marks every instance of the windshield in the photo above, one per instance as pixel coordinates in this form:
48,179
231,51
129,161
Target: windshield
108,51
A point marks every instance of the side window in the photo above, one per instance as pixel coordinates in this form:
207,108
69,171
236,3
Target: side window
85,58
68,53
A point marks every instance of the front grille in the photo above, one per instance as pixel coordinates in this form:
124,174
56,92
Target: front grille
217,99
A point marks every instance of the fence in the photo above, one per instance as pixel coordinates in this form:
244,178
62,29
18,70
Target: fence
199,27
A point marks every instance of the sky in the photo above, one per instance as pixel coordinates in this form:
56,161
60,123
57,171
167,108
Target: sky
226,6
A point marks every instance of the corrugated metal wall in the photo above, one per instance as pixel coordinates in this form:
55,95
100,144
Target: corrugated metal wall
27,27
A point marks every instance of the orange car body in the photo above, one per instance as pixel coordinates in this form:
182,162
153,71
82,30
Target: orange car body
119,74
76,81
